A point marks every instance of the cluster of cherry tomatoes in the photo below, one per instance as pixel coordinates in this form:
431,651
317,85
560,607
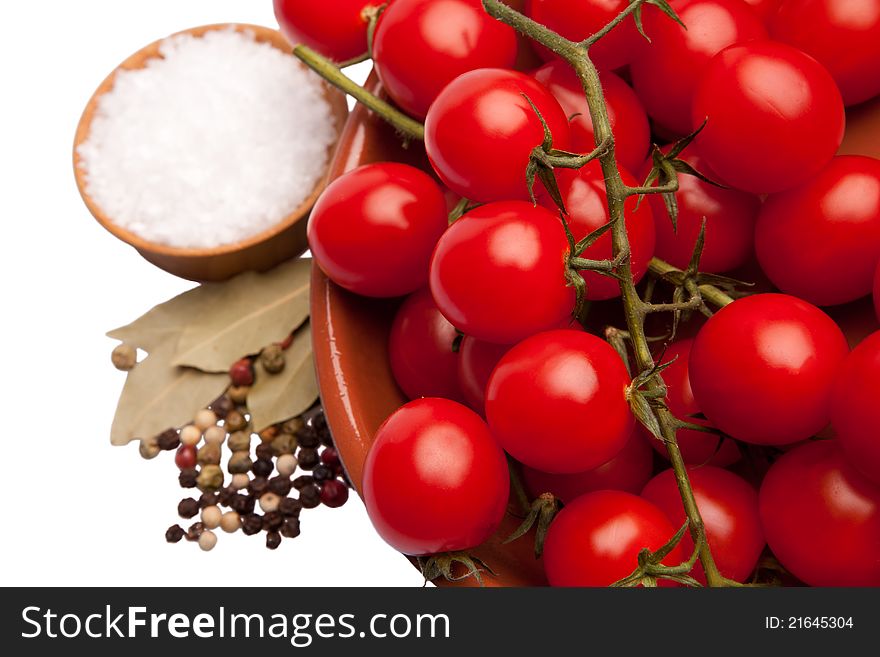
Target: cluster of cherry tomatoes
485,344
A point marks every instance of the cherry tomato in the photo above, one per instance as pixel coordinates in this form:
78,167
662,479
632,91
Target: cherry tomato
451,37
628,471
854,407
596,539
491,260
583,192
578,19
421,349
336,29
697,447
843,36
730,222
762,368
476,360
820,241
877,290
556,402
373,229
775,116
625,112
481,129
729,508
435,480
763,8
821,517
667,71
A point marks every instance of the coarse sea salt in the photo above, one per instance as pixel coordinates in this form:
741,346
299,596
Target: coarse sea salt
216,141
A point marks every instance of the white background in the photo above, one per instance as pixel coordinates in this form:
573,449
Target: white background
78,511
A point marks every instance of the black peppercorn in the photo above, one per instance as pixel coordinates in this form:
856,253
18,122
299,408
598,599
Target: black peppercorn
225,495
308,458
322,473
273,540
188,508
195,530
221,406
280,485
272,520
239,504
174,534
307,437
290,528
187,478
207,499
310,496
251,524
262,467
168,439
258,486
289,507
302,481
265,452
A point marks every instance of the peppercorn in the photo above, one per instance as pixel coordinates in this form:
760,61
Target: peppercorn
292,426
174,534
302,481
262,467
215,435
307,458
334,493
307,437
209,454
286,465
124,357
242,373
272,358
289,507
264,452
208,499
168,440
190,435
148,448
205,418
224,497
280,485
238,394
211,516
310,496
258,486
322,473
269,502
268,434
239,441
221,406
240,504
239,463
235,421
187,478
285,443
240,481
273,540
195,530
230,522
290,528
251,524
210,478
207,540
272,521
187,508
330,457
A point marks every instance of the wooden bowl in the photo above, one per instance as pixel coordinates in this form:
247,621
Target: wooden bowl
284,240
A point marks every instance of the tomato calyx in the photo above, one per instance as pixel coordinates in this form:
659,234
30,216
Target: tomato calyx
650,569
370,15
445,565
541,513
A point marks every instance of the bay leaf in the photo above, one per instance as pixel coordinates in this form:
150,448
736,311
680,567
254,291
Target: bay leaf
251,311
157,395
274,398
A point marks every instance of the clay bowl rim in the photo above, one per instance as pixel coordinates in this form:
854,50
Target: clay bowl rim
338,113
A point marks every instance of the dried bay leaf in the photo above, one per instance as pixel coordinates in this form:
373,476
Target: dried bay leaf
158,395
277,397
250,312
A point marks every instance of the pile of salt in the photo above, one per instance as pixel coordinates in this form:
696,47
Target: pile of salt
216,141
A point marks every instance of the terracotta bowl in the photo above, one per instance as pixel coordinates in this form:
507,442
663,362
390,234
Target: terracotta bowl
350,336
286,239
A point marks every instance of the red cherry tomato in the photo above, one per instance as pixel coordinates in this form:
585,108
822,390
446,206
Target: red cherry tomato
583,192
821,517
596,539
762,368
843,36
667,71
763,8
628,471
820,241
775,116
420,46
697,447
492,259
481,129
854,407
336,29
625,112
556,402
730,222
476,360
435,480
729,508
421,349
373,229
578,19
877,290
